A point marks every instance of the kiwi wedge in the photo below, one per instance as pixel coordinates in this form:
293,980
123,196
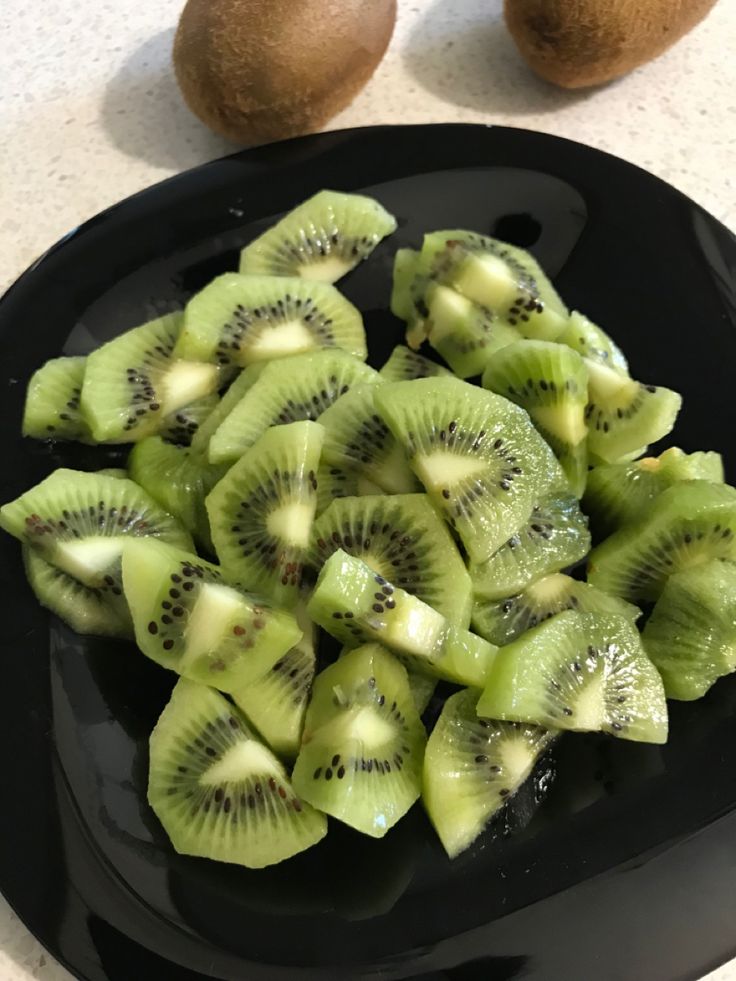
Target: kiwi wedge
179,479
338,482
593,343
501,621
321,239
550,381
188,618
478,456
691,634
356,437
357,605
182,426
218,791
275,698
52,409
472,766
623,415
500,277
301,387
244,319
581,671
554,536
464,333
79,523
361,754
406,266
244,381
688,524
87,610
134,381
403,539
618,493
405,365
262,510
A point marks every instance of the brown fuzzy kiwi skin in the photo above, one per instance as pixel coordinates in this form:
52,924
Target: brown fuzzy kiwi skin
581,43
262,70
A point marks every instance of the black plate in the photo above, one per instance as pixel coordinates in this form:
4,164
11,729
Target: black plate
623,868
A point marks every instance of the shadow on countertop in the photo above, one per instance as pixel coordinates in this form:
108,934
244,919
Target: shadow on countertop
146,117
471,61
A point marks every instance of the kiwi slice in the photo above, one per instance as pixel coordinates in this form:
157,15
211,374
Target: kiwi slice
618,493
689,523
406,266
52,401
593,343
355,604
86,610
79,523
241,384
321,239
550,381
623,414
337,482
261,512
301,387
498,276
473,766
218,791
134,381
403,539
244,319
405,365
275,700
691,634
182,426
501,621
582,671
422,686
179,479
361,754
356,437
464,333
188,618
554,536
480,459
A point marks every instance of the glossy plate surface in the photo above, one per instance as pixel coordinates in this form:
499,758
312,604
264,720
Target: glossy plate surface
626,868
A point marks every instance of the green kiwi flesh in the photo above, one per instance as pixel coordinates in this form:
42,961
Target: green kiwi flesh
361,754
593,343
239,320
182,426
500,277
86,610
298,388
623,415
406,263
338,482
321,239
618,493
403,539
554,536
241,384
356,605
478,456
218,791
262,510
405,365
688,524
188,618
550,381
356,437
586,672
691,634
134,381
79,523
472,766
52,401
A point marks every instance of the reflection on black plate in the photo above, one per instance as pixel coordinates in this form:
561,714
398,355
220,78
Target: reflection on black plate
624,870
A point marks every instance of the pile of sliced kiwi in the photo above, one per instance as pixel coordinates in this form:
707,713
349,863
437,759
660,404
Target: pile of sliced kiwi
280,492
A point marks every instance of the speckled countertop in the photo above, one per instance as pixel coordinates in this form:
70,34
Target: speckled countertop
89,113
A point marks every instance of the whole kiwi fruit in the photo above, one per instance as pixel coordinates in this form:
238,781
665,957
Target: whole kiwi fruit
262,70
579,43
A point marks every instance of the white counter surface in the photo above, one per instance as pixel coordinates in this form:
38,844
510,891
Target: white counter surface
89,113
